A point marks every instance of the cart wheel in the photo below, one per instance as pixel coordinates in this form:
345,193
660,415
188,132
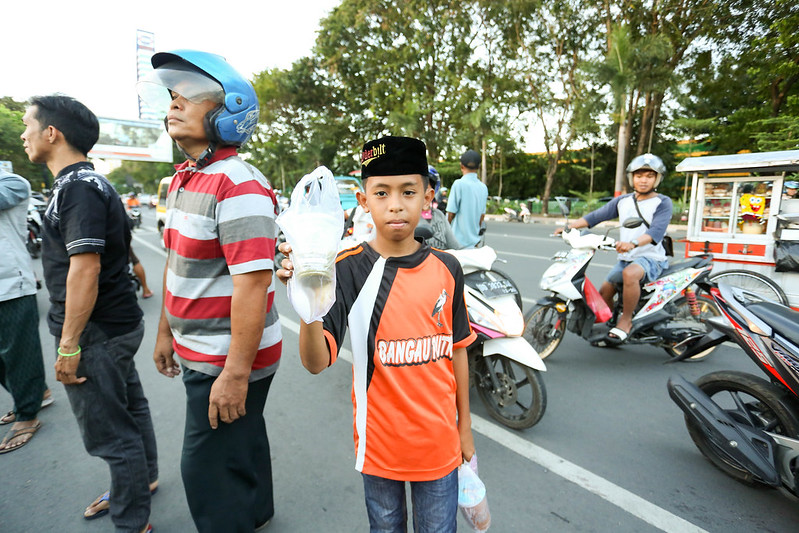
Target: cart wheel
753,282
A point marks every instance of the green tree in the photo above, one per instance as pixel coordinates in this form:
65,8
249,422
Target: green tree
631,67
747,90
11,127
140,176
550,42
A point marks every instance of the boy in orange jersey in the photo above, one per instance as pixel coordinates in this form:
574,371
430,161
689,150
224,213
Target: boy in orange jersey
403,303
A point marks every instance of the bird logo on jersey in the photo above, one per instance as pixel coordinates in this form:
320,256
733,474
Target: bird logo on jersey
439,306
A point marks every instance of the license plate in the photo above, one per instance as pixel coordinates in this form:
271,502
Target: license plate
490,289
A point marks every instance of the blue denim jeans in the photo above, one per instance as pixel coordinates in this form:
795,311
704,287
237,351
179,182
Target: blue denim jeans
652,269
435,504
114,420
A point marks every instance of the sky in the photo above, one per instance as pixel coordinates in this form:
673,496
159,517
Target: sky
87,48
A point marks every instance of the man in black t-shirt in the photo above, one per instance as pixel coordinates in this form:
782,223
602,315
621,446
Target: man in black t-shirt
94,315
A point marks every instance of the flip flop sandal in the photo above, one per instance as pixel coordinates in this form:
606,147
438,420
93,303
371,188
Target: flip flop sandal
11,417
102,512
8,418
619,336
106,498
14,433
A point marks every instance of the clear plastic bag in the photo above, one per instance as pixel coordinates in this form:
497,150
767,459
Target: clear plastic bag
472,496
313,224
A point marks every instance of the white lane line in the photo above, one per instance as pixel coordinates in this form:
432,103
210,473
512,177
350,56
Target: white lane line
153,247
500,253
622,498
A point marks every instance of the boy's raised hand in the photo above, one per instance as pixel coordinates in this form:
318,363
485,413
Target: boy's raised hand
284,273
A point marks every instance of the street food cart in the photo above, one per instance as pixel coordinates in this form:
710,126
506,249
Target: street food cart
739,214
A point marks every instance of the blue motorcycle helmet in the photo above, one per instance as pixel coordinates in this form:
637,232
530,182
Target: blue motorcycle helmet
792,184
199,76
434,178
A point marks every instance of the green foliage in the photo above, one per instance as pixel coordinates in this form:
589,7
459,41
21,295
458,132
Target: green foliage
780,133
139,176
11,127
742,90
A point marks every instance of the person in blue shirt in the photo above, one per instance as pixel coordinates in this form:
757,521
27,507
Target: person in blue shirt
466,207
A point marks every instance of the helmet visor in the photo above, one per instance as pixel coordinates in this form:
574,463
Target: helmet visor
156,88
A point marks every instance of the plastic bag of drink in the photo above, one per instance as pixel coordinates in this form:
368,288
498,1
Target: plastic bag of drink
313,225
472,496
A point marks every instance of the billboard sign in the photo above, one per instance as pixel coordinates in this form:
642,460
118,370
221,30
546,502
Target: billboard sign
145,48
133,140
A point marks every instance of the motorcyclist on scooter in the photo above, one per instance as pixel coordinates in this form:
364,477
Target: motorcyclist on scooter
641,254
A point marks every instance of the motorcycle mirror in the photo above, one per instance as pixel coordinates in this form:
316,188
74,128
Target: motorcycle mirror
563,205
633,222
423,231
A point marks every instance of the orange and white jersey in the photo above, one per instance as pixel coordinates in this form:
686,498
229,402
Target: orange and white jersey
405,315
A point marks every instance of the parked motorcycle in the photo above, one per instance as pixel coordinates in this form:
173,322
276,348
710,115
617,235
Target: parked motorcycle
745,425
668,315
503,367
33,241
523,215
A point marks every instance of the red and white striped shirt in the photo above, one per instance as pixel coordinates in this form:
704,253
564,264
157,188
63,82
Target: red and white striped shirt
220,222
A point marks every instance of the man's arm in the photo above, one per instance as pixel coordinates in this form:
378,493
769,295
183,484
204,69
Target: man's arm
247,317
163,355
82,286
460,364
13,191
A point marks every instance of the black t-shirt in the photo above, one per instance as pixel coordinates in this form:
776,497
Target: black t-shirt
85,215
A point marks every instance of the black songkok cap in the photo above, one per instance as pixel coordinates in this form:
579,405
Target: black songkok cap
393,156
470,159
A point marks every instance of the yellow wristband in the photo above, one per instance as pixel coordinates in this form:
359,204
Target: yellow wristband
62,354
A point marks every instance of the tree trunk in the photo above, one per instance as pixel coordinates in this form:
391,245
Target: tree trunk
552,167
483,162
649,119
620,157
646,118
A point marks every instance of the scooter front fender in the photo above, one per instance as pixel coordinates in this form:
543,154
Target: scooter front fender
752,449
515,348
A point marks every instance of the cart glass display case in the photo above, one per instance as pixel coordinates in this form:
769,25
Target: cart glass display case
734,206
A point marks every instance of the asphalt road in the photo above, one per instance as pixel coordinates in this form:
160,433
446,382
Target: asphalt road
610,454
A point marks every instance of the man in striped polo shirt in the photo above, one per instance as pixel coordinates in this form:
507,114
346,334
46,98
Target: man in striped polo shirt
218,315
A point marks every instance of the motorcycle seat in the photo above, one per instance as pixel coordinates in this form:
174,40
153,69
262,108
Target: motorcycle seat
782,319
692,262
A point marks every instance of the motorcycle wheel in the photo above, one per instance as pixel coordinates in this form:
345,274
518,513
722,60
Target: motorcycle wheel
33,244
520,400
707,308
753,282
544,329
749,400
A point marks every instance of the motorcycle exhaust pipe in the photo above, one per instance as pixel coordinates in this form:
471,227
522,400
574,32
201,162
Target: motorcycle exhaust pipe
749,448
697,344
